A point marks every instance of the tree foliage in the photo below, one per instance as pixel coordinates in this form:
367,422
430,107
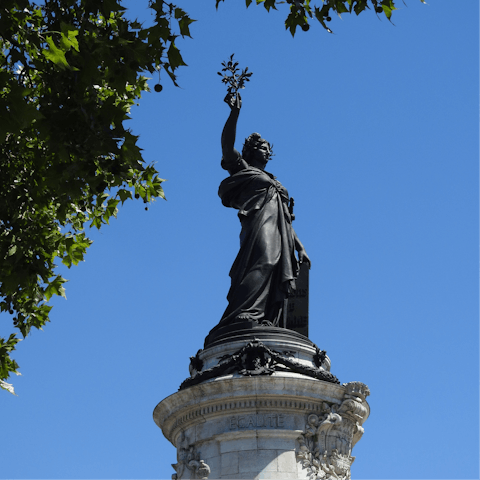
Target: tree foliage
301,11
70,70
69,73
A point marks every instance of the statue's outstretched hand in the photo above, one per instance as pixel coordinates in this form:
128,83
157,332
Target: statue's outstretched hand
233,101
303,257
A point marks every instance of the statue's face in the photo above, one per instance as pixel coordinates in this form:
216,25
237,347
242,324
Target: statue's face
261,155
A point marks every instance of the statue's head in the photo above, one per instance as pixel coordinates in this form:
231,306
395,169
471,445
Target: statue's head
256,150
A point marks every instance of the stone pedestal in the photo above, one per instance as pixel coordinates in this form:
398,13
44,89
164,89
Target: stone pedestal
259,409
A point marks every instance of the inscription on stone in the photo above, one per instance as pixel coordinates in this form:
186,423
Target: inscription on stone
260,420
297,304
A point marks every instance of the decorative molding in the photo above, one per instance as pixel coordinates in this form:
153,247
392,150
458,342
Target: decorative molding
325,447
358,389
255,358
254,404
188,457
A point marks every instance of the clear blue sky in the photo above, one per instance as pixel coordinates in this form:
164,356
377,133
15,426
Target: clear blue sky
375,130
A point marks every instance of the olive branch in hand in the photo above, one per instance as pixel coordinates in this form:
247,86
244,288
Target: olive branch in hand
234,81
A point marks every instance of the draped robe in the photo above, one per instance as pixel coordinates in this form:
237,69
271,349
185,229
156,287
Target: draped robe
265,268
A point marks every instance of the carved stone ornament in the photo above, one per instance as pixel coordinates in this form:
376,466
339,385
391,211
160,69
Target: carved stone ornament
188,457
325,448
196,364
257,359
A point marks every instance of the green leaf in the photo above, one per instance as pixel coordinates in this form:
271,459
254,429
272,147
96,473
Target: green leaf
111,209
184,24
68,39
7,364
388,7
360,6
67,261
124,195
268,4
340,7
96,222
294,20
55,55
55,288
174,58
69,241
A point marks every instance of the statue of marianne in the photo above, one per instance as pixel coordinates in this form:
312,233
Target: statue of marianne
265,269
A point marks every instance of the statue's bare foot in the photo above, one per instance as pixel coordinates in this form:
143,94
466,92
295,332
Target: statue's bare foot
266,323
244,316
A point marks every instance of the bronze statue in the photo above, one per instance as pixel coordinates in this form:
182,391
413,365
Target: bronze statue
265,269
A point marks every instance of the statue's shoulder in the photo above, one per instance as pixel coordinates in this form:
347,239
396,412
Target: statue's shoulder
233,161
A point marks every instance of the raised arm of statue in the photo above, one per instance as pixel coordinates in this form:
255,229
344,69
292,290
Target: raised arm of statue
231,158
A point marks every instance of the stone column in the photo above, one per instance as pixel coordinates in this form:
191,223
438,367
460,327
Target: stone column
257,412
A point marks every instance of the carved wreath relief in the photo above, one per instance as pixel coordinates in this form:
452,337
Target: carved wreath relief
253,359
326,445
189,458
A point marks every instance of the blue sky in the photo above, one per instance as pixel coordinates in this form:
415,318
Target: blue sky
375,130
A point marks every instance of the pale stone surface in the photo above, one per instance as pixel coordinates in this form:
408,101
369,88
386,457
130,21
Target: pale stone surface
209,449
237,445
229,463
267,426
265,442
253,461
263,427
215,464
287,462
263,475
277,475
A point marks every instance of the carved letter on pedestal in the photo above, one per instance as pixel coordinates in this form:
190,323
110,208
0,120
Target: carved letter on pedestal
259,420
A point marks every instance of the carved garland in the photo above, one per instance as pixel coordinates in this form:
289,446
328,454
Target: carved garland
257,359
325,447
